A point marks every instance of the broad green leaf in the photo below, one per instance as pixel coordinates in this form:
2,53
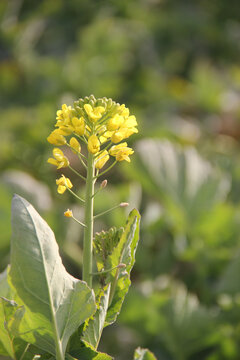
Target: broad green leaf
13,314
10,317
35,353
9,328
123,253
83,352
5,343
143,354
56,303
93,330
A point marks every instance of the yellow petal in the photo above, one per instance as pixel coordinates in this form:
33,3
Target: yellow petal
76,147
58,154
56,138
102,159
68,183
93,144
61,189
130,122
114,149
117,137
52,161
115,122
64,182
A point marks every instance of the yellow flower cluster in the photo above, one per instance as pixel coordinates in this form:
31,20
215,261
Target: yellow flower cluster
101,124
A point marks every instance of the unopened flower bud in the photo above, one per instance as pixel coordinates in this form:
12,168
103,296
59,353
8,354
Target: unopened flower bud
124,204
121,266
103,184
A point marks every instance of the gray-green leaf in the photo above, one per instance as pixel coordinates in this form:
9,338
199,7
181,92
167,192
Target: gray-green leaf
56,303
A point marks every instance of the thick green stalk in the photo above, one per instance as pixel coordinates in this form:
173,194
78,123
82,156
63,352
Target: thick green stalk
59,354
88,231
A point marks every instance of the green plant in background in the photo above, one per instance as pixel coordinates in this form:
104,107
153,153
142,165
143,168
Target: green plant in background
45,312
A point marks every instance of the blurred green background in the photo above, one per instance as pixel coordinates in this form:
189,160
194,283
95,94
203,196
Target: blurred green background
175,64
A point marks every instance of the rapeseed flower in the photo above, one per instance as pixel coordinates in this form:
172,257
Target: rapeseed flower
56,138
78,125
64,115
68,213
121,152
115,122
93,144
63,184
59,159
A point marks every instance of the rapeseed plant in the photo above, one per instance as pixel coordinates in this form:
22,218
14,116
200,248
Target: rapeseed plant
100,125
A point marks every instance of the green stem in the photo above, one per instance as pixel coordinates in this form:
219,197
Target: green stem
109,270
24,352
59,354
88,230
79,222
76,196
107,211
77,173
81,159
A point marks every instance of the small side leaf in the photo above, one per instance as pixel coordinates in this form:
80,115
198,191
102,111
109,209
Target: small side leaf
143,354
104,244
93,328
123,253
111,249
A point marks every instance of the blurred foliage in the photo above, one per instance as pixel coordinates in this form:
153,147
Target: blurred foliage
176,65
